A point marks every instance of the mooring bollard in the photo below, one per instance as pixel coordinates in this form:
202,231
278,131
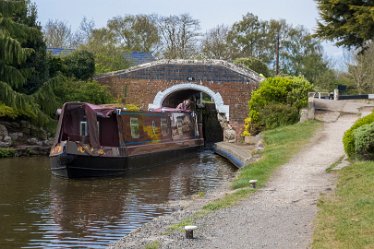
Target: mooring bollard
189,231
253,183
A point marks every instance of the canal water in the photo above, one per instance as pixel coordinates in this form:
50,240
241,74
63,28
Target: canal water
38,210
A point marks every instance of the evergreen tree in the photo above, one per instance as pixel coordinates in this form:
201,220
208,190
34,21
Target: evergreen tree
20,63
348,22
36,62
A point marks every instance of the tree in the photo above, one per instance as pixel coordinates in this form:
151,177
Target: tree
301,54
82,36
79,64
215,45
253,64
246,38
35,64
134,33
15,59
179,36
57,34
361,70
108,57
122,34
84,91
348,22
285,49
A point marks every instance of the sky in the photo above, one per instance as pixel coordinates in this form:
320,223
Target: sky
210,12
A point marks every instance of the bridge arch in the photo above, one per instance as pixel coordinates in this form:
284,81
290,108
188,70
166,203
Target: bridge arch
216,96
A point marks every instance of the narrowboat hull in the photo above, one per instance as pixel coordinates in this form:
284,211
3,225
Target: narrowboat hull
67,165
99,141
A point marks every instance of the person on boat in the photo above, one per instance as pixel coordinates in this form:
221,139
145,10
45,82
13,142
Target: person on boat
186,105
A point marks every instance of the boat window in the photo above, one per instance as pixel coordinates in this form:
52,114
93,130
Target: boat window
134,125
83,129
164,127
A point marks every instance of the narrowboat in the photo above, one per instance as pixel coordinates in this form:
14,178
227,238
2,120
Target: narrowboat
99,140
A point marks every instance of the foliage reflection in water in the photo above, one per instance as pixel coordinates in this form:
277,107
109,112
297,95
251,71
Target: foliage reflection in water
38,210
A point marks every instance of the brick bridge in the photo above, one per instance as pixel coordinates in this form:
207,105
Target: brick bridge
167,82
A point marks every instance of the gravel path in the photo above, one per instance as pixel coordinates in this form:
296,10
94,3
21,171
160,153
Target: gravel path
279,216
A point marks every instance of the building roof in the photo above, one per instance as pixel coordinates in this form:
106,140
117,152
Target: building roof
137,58
60,51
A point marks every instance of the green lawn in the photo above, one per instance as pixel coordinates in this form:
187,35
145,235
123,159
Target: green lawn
346,218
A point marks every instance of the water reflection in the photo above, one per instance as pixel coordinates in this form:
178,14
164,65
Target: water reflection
41,211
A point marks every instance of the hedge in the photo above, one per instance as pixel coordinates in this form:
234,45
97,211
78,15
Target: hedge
364,141
349,139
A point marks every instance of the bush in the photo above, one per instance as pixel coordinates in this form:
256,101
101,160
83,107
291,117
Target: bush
8,112
6,152
349,139
132,108
80,64
247,125
90,91
277,97
364,141
276,115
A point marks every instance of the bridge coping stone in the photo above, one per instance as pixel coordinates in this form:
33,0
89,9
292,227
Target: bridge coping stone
238,69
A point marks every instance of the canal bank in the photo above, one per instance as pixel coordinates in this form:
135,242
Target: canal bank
279,215
21,138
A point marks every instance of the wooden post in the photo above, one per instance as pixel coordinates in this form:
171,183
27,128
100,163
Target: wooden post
189,231
253,183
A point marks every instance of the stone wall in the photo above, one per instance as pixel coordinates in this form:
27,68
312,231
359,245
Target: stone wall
24,138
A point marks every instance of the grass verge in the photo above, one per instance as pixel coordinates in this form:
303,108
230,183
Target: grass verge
152,245
346,218
280,145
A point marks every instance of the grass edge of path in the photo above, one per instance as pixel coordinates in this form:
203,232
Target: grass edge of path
345,217
281,144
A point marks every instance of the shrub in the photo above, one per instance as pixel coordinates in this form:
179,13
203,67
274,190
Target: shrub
247,123
275,97
6,152
90,91
132,108
364,141
9,112
349,139
276,115
80,64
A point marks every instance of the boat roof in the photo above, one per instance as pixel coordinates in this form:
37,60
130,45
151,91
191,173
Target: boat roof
106,110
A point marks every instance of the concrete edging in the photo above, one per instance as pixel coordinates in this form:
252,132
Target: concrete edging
229,156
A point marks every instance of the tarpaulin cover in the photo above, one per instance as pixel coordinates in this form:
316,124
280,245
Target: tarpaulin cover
73,112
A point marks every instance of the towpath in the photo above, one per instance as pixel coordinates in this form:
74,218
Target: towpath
278,216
